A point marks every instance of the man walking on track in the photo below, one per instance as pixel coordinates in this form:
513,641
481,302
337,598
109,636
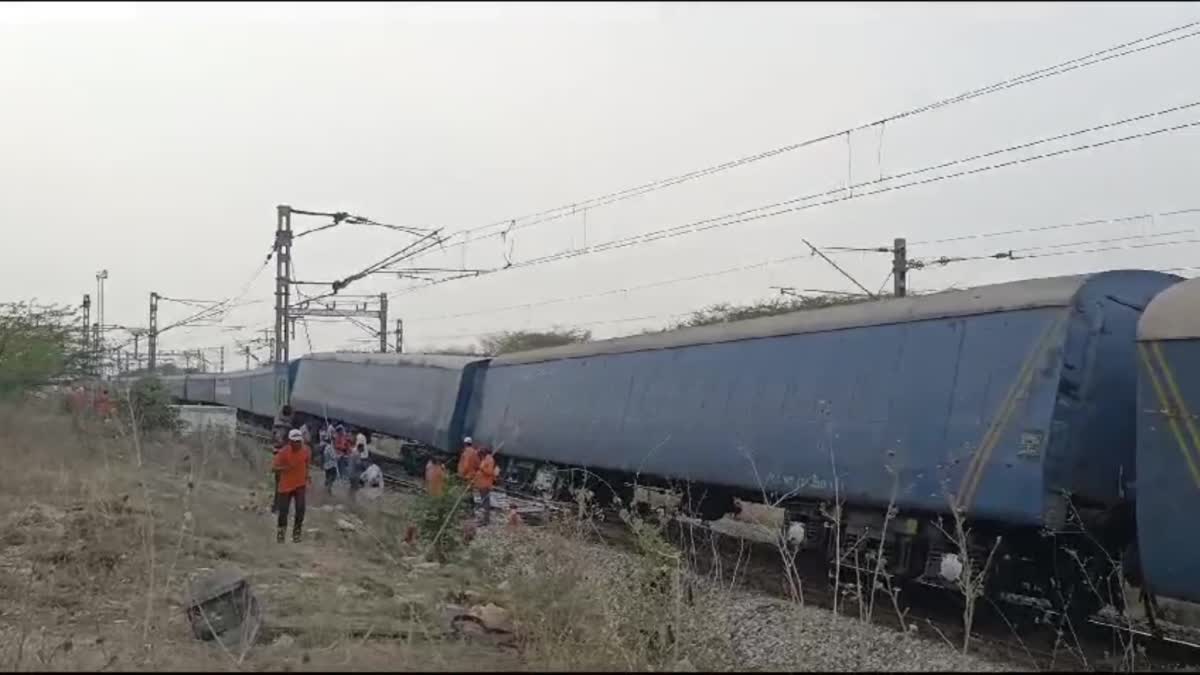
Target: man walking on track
291,465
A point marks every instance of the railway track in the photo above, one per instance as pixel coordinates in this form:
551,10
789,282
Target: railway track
1100,644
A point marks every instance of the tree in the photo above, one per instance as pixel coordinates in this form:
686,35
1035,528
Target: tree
452,351
149,403
39,345
725,312
520,341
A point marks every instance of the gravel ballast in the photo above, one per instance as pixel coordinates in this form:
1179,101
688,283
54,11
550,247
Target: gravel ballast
753,630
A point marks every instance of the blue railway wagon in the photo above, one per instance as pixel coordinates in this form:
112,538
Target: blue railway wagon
239,389
200,388
417,397
223,391
258,387
997,398
1168,443
175,385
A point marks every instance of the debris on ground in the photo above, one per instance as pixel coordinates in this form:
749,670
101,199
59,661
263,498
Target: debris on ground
493,617
221,606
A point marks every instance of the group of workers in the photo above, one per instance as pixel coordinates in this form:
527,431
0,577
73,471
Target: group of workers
100,403
349,457
342,456
476,466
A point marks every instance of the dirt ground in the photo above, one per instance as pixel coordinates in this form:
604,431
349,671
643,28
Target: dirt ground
102,533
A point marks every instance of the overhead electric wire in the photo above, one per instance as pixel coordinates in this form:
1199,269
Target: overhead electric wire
422,244
796,204
572,208
622,290
1046,247
645,317
1154,244
216,309
795,258
1046,228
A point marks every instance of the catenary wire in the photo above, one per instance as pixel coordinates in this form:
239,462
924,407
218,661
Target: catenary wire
795,205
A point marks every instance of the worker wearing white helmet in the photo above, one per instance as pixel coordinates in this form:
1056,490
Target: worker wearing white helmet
291,467
468,461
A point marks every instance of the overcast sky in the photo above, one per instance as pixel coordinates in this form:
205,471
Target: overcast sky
156,140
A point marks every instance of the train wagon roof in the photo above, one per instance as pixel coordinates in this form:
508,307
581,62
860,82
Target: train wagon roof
1173,314
1011,296
444,361
248,373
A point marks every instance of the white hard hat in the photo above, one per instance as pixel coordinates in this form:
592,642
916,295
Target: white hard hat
361,439
467,440
295,435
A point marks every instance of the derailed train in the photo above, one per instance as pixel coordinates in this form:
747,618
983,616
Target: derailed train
1052,415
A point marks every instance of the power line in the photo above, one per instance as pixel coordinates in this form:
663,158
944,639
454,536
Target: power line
566,210
645,317
622,290
217,309
797,204
797,258
1101,241
1155,244
1062,226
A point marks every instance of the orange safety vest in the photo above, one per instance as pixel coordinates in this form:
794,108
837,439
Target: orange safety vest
485,478
293,468
468,462
435,478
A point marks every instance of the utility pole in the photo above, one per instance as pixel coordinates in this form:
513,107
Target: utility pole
101,276
283,282
399,336
97,365
900,267
152,341
137,355
87,343
246,350
383,323
222,358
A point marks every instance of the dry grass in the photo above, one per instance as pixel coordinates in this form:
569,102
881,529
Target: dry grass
102,532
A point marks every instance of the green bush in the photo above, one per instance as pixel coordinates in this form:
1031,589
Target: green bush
150,405
439,519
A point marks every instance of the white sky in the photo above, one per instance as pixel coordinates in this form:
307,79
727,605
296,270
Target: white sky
156,140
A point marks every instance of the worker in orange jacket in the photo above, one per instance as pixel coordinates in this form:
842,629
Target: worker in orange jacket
468,461
435,477
291,465
485,480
